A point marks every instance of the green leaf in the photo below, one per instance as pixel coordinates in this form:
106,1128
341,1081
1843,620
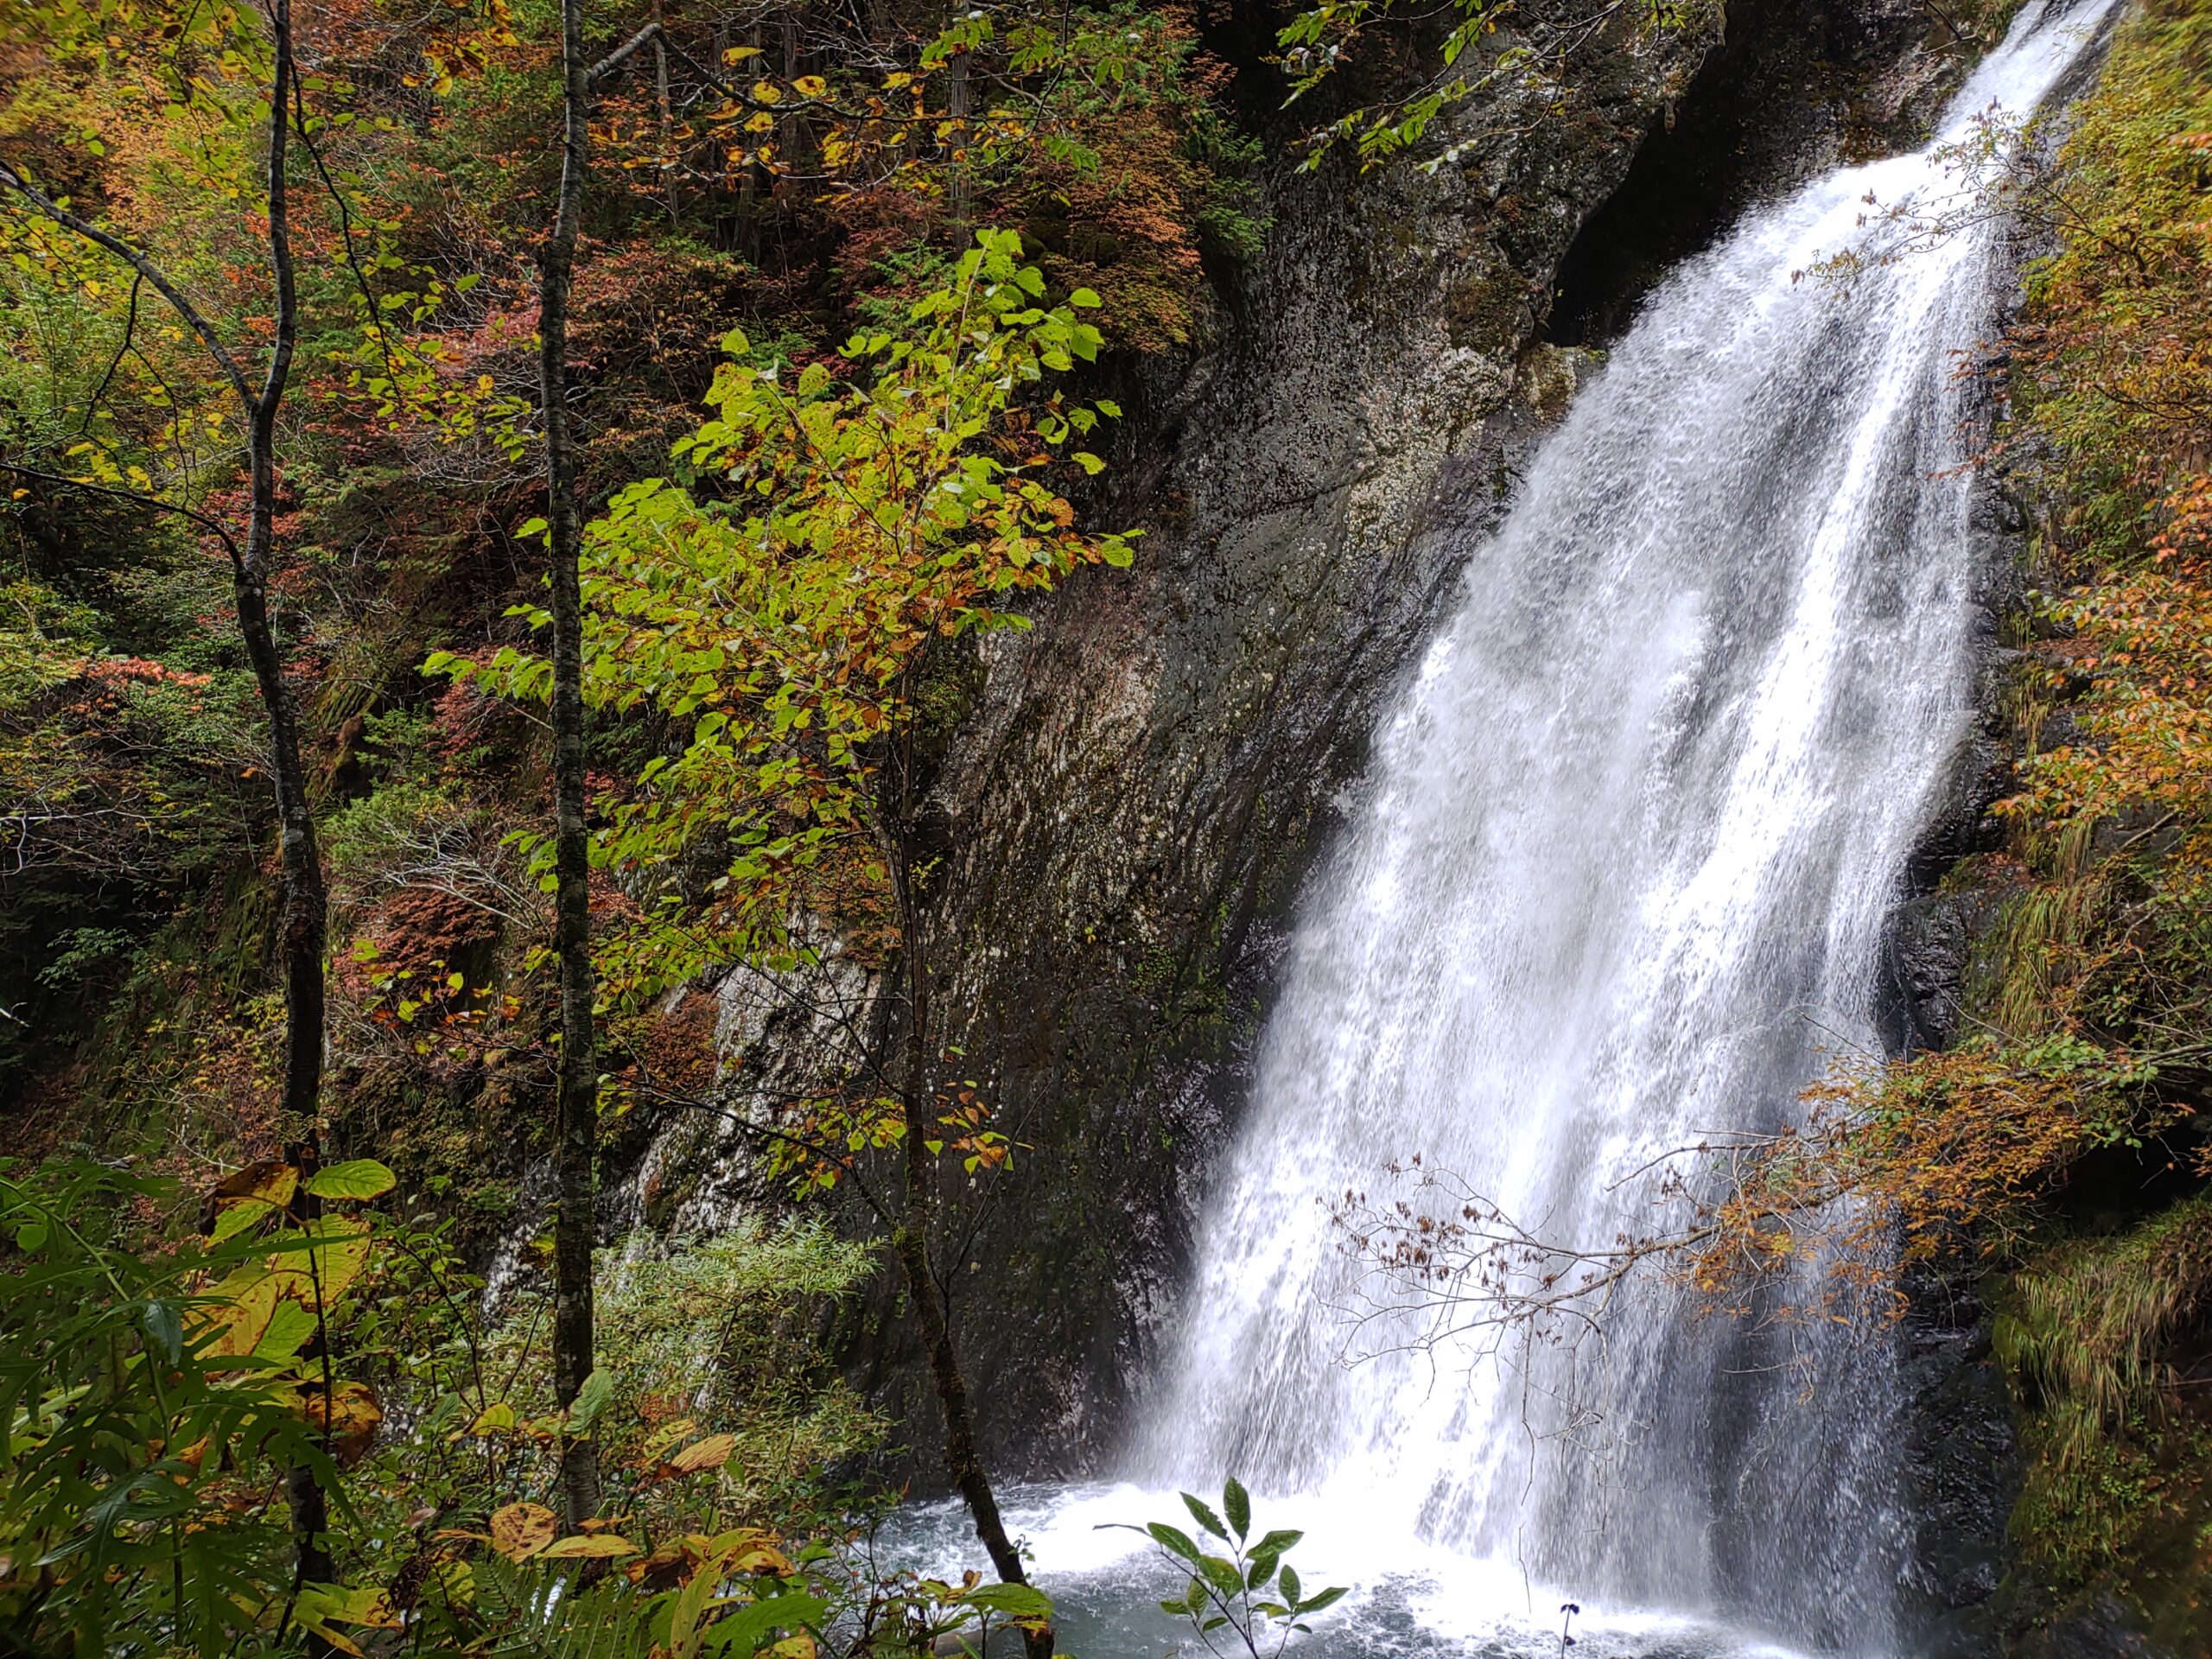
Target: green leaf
1328,1597
1204,1516
1278,1543
1175,1542
591,1399
164,1327
1022,1602
1108,407
1085,298
1222,1575
289,1327
745,1631
1237,1504
1290,1587
356,1179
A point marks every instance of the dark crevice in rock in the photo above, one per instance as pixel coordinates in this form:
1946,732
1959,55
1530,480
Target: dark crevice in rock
1794,90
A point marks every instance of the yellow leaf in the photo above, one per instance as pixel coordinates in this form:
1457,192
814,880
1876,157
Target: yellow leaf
351,1418
257,1191
367,1606
520,1530
581,1546
238,1310
748,1549
708,1453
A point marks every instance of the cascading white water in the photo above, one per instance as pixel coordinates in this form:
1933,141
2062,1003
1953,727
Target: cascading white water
1620,877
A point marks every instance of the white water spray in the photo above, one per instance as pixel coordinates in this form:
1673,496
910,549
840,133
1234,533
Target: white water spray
1621,877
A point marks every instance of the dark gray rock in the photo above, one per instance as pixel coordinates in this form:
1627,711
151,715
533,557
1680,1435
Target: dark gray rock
2102,1631
1962,1470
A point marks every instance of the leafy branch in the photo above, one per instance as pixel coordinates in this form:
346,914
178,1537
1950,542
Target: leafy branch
1245,1587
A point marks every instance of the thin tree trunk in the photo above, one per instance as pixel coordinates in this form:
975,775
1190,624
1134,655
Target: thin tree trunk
925,1292
957,107
576,1116
303,904
669,171
302,919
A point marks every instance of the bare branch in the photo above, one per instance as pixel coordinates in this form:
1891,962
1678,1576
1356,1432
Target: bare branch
12,179
213,526
622,53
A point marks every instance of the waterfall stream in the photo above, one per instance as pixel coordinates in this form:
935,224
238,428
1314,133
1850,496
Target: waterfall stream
1617,880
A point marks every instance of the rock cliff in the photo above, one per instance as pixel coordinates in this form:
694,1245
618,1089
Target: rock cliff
1140,780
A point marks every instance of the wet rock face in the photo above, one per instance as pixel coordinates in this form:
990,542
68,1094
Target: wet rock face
2102,1631
1146,774
1144,777
1963,1468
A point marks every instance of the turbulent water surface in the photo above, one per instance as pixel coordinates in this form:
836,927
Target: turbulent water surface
1619,881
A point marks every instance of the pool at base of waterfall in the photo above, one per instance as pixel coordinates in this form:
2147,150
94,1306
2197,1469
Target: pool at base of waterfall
1410,1599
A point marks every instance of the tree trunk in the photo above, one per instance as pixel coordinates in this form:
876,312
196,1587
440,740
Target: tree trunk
302,916
957,108
302,910
669,171
925,1292
576,1113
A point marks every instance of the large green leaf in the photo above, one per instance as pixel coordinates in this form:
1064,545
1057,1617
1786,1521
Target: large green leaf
1175,1542
591,1399
746,1630
1203,1515
354,1180
1237,1504
1022,1602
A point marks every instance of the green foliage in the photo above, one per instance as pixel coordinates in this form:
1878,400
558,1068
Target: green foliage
1242,1595
145,1439
783,629
1485,44
711,1337
158,1401
2088,1328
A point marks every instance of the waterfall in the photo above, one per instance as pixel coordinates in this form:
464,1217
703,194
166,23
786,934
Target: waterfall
1618,881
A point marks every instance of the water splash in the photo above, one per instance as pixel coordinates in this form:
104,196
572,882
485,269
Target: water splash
1620,877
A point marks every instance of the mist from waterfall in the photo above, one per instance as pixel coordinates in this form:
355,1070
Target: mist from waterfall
1617,880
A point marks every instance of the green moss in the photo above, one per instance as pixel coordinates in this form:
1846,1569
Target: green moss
2098,1335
